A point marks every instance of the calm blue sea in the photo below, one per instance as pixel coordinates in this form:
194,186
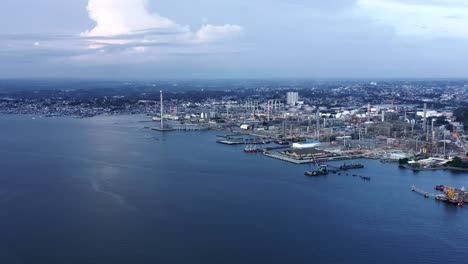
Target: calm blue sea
107,190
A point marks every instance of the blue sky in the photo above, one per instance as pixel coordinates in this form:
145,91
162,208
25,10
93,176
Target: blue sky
234,38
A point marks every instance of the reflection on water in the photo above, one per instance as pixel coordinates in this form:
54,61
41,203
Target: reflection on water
106,190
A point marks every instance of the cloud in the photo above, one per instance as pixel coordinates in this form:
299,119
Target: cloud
129,18
120,17
429,18
125,32
211,33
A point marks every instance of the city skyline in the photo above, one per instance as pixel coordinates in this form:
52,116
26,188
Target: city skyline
234,39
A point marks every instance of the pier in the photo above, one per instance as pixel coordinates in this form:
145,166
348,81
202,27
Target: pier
422,192
230,142
229,136
162,129
283,157
451,195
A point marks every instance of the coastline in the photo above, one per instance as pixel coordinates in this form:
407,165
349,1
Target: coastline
406,166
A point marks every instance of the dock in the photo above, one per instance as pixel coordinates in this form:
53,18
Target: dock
230,136
178,127
451,195
276,148
162,129
283,157
422,192
230,142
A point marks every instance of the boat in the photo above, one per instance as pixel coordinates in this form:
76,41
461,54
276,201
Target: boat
282,142
441,197
251,149
452,201
453,197
465,199
322,171
351,166
439,188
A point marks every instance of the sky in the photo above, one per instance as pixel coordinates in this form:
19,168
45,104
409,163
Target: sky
149,39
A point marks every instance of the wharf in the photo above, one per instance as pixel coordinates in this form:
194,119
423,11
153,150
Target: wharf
422,192
229,136
457,196
180,128
282,157
276,148
162,129
230,142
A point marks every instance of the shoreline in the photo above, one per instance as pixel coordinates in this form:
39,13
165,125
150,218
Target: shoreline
433,169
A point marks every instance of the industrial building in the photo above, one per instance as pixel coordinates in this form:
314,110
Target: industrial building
292,98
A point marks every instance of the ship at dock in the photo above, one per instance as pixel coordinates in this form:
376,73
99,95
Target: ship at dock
455,196
321,171
351,166
449,194
252,149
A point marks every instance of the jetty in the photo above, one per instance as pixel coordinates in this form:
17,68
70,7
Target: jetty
231,142
450,194
422,192
280,156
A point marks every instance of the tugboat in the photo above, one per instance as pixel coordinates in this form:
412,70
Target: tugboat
351,166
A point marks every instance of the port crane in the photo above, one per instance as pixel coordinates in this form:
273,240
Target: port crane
321,169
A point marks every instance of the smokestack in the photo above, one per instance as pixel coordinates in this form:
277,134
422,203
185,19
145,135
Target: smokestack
268,111
318,125
368,112
162,110
432,130
425,116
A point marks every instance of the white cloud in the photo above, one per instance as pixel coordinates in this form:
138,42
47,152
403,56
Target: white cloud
125,33
121,17
430,18
140,49
211,33
126,18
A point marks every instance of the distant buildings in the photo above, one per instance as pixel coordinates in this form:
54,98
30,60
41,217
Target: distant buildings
292,98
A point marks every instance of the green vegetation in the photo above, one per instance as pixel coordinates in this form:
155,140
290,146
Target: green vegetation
457,162
462,116
440,121
403,161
